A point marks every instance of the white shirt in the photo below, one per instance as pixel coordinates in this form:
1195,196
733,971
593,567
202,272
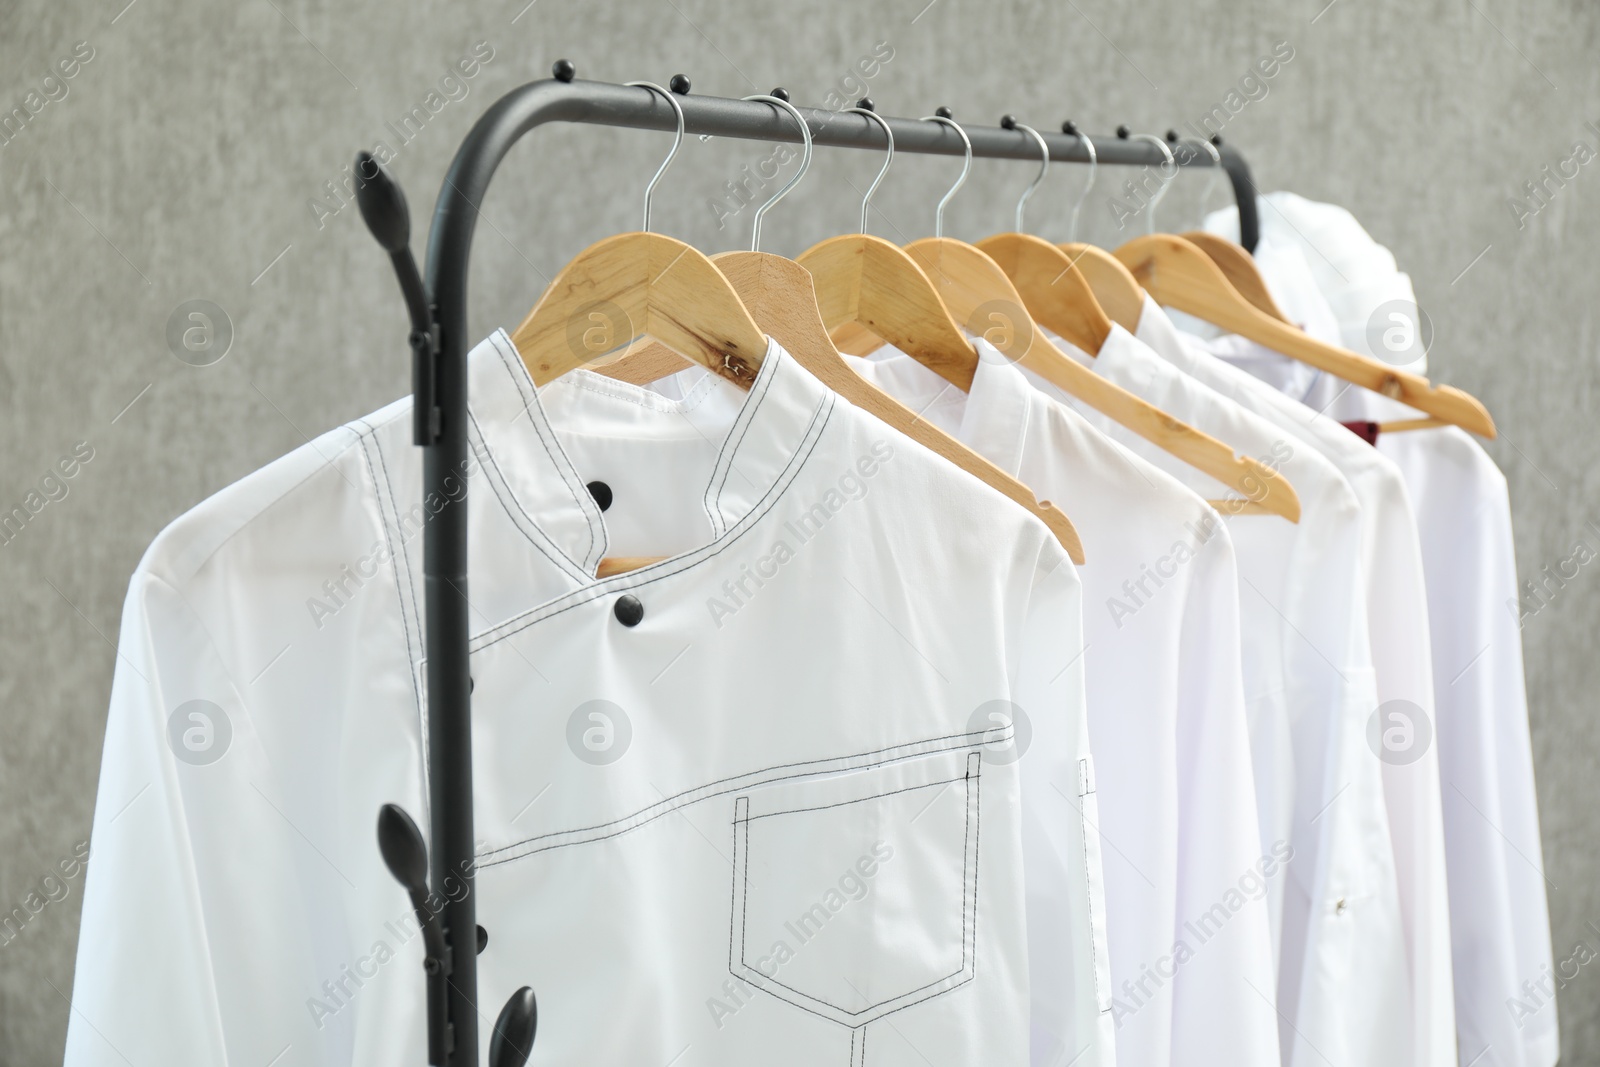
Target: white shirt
1308,673
1500,930
1402,722
1188,919
748,825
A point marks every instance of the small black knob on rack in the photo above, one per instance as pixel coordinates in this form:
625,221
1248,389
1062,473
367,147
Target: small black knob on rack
563,70
1123,133
781,93
866,104
679,84
1216,139
1172,136
1008,122
944,112
1069,128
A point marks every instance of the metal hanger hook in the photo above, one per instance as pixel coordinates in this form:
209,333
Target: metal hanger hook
887,160
966,168
1216,160
805,164
1171,168
677,142
1094,167
1044,168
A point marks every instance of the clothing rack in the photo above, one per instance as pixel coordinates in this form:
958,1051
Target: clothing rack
438,310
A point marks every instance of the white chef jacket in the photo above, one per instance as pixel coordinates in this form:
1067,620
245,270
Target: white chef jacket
1309,678
747,826
1402,722
1500,930
1185,870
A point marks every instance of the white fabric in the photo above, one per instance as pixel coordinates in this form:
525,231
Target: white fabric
1308,672
1189,927
1500,931
1398,625
1354,273
799,725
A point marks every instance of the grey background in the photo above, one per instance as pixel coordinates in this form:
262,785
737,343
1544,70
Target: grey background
182,163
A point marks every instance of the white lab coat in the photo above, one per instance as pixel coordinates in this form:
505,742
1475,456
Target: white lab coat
791,748
1322,265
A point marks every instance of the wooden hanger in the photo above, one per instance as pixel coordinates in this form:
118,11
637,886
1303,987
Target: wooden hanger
969,280
975,288
869,292
1052,288
1240,269
646,285
1116,290
870,289
778,293
781,295
1177,274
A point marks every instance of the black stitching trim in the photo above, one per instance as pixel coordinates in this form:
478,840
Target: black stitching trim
735,438
676,564
760,777
553,450
858,800
515,511
969,918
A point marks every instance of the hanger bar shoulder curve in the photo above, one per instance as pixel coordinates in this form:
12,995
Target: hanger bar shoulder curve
1179,275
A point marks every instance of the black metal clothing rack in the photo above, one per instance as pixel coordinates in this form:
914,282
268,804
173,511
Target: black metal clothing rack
438,309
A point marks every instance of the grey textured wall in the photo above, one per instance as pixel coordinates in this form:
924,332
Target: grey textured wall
187,154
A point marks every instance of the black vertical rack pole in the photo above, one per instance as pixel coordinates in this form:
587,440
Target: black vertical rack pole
440,345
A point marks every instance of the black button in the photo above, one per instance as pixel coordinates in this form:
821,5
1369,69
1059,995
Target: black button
483,939
629,611
601,493
472,683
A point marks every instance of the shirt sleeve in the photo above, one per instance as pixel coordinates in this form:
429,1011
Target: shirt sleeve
1069,965
190,949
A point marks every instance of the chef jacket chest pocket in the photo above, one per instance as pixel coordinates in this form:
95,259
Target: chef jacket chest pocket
856,895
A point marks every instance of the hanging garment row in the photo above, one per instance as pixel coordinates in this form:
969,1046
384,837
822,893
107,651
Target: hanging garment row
979,654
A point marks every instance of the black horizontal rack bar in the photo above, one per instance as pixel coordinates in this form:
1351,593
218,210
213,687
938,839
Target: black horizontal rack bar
440,346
